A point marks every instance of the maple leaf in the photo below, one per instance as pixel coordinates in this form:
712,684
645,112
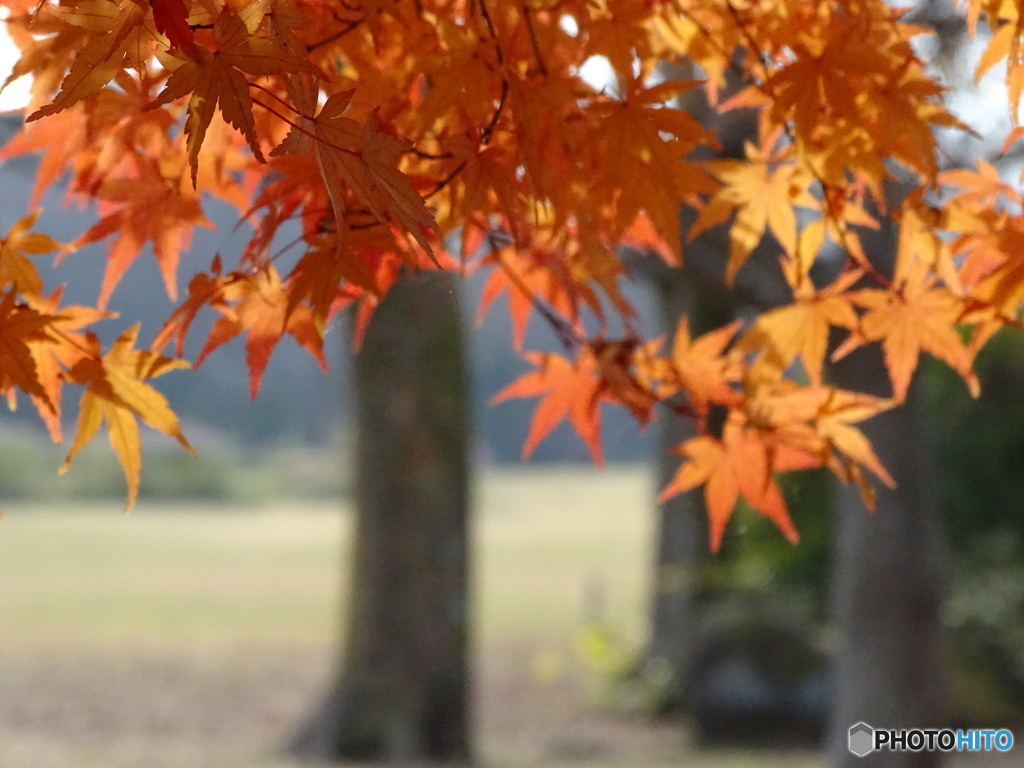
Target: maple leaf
916,316
645,170
738,465
116,392
487,182
983,188
16,269
102,57
801,329
760,197
535,270
850,108
781,427
838,410
360,158
171,18
57,350
20,325
257,305
204,290
701,367
146,208
618,363
1007,42
571,389
920,241
214,79
804,426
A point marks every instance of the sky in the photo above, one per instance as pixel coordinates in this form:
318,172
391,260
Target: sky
16,94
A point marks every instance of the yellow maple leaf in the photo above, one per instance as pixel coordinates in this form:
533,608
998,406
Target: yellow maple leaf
102,57
838,410
801,329
761,196
117,393
16,269
804,427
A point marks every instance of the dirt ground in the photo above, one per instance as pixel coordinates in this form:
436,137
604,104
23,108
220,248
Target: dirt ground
235,709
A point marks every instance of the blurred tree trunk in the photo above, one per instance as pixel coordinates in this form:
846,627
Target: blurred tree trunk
681,545
888,587
698,291
890,568
403,689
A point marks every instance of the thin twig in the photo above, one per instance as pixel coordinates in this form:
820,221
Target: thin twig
528,18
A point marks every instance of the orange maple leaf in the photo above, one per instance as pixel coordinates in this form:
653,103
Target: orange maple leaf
215,79
915,316
146,208
360,157
116,392
257,305
538,268
20,325
571,389
701,367
645,170
855,93
60,348
737,465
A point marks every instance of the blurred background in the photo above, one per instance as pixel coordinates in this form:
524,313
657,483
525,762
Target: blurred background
208,627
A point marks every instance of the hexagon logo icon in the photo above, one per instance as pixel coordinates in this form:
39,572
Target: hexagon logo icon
861,739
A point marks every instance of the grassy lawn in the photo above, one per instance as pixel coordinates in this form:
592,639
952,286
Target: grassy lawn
551,549
193,638
176,636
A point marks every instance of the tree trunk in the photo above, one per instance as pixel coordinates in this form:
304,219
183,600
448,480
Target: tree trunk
403,689
888,586
682,537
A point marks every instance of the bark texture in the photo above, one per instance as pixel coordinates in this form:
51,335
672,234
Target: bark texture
403,689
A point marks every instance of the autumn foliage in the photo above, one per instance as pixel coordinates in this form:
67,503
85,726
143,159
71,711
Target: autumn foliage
459,134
